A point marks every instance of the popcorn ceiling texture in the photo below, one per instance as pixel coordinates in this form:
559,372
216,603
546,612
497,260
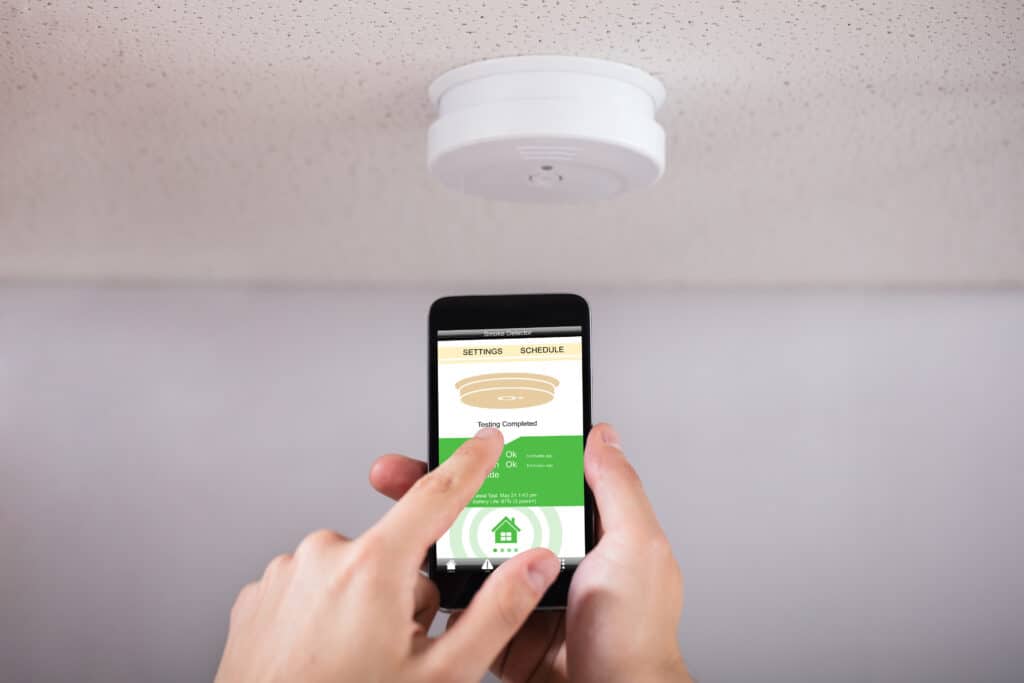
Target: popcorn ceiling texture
809,143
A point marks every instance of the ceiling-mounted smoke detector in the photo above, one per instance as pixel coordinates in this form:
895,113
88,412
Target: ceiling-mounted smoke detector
546,129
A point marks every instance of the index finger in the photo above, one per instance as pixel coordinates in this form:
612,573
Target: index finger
436,499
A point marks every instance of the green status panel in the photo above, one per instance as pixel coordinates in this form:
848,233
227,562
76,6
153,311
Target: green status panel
532,471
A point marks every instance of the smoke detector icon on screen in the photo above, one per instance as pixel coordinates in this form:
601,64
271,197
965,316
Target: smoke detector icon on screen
507,390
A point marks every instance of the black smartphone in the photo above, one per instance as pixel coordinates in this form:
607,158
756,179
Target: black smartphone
520,363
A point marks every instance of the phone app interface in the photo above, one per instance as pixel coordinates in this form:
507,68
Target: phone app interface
527,382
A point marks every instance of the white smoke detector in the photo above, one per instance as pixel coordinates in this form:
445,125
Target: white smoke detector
546,129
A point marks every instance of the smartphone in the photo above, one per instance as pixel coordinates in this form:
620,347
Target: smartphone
520,363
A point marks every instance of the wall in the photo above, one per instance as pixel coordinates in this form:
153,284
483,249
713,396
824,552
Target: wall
841,473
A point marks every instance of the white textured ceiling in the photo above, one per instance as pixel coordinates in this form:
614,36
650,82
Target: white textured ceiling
865,142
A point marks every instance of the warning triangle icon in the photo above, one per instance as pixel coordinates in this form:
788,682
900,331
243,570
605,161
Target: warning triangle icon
487,566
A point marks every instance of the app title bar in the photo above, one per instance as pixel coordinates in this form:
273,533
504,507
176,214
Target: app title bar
504,332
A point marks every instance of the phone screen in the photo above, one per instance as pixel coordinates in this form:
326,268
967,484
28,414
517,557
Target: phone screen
527,382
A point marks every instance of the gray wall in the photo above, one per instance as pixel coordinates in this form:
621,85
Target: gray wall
841,473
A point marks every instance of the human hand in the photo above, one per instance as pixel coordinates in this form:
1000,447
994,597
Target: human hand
358,610
626,596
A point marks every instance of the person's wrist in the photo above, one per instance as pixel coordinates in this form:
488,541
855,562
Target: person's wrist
674,671
667,668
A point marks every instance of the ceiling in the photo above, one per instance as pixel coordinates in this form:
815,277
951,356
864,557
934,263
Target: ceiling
824,142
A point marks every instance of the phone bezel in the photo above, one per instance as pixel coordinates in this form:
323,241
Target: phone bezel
500,311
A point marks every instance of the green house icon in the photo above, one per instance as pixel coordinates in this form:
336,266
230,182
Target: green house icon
506,531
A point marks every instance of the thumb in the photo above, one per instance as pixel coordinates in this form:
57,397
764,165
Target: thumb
619,495
496,613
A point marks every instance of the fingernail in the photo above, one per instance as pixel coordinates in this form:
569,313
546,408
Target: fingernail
542,572
488,433
611,437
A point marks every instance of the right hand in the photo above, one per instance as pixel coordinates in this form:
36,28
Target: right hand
358,610
626,597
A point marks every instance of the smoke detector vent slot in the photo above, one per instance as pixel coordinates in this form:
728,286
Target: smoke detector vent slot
547,153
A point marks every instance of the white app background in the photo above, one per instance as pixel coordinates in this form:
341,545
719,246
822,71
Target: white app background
561,416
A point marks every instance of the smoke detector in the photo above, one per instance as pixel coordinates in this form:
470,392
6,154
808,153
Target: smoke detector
546,129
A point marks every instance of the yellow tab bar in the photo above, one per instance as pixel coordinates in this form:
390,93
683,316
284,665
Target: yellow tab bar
481,351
